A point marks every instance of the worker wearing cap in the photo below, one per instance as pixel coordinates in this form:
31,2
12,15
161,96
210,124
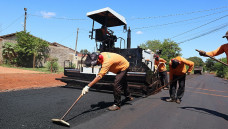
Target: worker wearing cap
161,67
223,48
178,73
114,63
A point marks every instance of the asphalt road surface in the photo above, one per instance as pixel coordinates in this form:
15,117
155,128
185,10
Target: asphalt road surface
204,106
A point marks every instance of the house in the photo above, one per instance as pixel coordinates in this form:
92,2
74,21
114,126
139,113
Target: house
56,50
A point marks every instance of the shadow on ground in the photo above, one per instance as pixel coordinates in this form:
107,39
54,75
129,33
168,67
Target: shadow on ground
206,111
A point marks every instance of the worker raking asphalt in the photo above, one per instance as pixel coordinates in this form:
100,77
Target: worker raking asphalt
28,109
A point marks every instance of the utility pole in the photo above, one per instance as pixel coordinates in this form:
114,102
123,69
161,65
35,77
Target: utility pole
0,28
25,9
76,42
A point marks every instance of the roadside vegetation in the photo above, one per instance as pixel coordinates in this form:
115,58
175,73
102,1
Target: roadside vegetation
217,68
40,69
29,53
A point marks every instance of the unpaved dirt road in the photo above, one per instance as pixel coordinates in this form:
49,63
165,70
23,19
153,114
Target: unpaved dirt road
17,79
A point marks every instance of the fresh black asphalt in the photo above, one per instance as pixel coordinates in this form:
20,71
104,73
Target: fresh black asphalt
204,106
34,109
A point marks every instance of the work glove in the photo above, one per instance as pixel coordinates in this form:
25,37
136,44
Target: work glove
188,73
202,53
156,67
85,90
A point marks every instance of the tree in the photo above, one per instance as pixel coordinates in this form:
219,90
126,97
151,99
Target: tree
170,49
152,45
210,64
197,61
84,51
40,50
29,48
221,69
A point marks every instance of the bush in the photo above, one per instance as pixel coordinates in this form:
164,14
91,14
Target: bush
226,76
8,53
222,70
53,65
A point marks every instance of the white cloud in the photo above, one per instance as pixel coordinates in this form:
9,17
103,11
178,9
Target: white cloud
47,14
139,32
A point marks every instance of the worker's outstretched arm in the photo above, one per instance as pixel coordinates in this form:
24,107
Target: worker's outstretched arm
216,52
86,88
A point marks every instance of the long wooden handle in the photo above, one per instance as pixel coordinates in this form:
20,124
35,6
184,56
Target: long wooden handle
71,106
214,58
168,83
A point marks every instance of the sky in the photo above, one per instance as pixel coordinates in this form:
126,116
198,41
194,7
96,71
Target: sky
193,24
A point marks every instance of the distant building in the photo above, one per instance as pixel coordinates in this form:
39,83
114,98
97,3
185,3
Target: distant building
56,50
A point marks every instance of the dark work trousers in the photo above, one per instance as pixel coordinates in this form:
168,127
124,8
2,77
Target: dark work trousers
173,87
119,84
163,78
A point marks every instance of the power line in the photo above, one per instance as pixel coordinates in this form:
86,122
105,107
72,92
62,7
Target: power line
74,19
178,21
206,33
170,15
11,24
199,26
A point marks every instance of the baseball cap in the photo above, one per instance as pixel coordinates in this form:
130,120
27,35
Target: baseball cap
91,59
225,35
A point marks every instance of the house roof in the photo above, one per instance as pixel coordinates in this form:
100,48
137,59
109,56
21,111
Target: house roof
8,35
52,44
13,34
57,44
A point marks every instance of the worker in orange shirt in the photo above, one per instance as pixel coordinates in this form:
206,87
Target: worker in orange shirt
223,48
178,73
161,67
114,63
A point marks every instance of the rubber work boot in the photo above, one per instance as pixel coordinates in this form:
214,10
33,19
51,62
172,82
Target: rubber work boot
178,101
165,88
129,98
144,95
113,107
170,100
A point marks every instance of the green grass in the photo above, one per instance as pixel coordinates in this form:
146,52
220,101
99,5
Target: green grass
43,69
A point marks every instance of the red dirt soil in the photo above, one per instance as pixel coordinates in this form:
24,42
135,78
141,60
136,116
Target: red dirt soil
17,79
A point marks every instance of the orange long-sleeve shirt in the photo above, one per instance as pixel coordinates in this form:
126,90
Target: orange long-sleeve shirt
161,66
220,50
112,62
181,68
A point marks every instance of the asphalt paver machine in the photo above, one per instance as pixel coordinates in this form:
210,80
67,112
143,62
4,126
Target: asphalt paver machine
142,76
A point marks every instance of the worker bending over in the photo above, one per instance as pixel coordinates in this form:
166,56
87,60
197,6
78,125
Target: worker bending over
223,48
114,63
161,67
178,73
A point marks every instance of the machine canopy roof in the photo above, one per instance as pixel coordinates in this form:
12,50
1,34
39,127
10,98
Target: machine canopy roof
113,18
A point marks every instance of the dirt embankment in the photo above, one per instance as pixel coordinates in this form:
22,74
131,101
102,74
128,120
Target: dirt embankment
17,79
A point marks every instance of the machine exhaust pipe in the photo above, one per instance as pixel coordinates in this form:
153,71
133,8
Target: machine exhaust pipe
129,38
